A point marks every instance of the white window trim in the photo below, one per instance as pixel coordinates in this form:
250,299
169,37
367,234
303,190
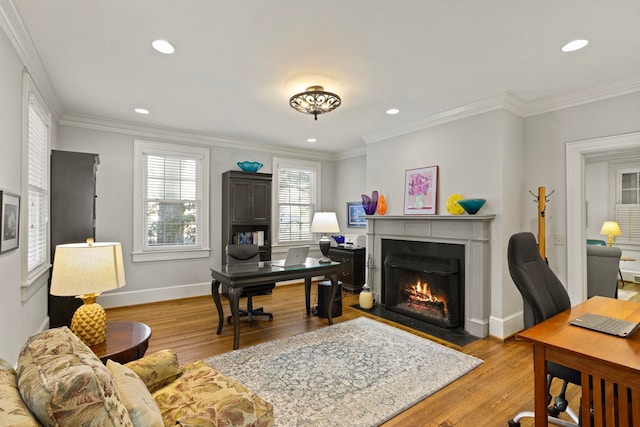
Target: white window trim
616,171
139,253
32,281
277,162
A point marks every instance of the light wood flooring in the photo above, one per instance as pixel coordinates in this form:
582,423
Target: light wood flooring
488,396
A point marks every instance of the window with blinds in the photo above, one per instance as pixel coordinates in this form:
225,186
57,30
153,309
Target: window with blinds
171,186
38,186
628,204
296,184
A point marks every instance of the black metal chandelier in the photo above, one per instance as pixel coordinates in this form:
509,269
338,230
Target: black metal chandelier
315,101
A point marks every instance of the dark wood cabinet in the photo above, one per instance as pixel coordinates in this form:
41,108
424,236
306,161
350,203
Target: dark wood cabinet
246,210
73,215
352,263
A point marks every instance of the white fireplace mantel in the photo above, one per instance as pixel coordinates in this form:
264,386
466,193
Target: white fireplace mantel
472,231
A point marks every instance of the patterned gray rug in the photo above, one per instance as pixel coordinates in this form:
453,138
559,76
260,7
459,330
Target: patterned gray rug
356,373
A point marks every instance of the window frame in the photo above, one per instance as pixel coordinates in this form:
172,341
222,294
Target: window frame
633,208
283,163
34,279
143,253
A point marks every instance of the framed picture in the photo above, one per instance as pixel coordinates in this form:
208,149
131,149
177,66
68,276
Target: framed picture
421,191
355,215
10,217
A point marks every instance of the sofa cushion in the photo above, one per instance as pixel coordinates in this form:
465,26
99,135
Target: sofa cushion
157,370
64,383
203,396
13,411
143,410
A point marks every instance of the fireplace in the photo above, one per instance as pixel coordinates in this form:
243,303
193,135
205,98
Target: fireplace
422,285
466,238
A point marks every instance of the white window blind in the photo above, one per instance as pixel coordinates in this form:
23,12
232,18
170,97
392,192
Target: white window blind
173,198
627,207
171,201
296,199
38,187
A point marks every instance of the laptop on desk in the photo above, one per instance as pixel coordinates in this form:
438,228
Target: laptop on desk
296,255
608,325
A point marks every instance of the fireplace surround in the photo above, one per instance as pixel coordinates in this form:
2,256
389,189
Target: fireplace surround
472,233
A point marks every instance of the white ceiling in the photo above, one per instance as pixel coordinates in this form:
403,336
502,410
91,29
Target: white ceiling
236,62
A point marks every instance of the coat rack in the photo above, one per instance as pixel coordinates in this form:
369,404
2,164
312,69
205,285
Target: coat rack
541,199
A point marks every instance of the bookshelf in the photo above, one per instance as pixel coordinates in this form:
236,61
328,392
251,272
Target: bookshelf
246,211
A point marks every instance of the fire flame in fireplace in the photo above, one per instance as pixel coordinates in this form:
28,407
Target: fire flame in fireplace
420,294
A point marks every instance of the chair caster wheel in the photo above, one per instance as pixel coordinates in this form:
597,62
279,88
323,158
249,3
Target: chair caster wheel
513,423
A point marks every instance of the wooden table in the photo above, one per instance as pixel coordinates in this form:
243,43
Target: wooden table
624,258
606,362
234,277
126,341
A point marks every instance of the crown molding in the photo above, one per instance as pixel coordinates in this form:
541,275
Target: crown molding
585,95
18,35
506,101
173,135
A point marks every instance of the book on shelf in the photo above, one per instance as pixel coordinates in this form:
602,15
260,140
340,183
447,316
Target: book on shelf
248,238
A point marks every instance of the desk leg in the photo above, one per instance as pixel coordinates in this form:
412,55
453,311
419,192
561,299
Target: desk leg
307,294
234,303
332,297
215,293
540,385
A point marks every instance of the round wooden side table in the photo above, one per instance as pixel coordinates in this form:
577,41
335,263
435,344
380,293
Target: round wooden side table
126,341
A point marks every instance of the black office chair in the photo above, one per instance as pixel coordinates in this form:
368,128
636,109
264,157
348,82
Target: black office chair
249,253
543,297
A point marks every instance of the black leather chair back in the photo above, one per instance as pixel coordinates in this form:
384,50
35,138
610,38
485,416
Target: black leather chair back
543,294
242,253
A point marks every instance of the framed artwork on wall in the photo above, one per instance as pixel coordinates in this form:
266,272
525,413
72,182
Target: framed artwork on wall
355,215
421,191
10,217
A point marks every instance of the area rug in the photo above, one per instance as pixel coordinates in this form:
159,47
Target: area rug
355,373
625,294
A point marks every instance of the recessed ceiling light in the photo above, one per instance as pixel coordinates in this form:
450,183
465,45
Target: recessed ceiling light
575,45
141,111
392,111
163,46
312,140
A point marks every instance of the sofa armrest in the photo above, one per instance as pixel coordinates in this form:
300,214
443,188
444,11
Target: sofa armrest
157,370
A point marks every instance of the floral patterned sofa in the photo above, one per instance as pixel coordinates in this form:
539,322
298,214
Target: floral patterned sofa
60,382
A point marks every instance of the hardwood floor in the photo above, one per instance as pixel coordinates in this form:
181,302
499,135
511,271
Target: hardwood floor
488,396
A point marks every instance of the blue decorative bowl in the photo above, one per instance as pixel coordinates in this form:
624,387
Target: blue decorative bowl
250,166
471,206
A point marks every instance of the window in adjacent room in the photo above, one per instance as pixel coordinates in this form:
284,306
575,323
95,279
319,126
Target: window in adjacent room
296,195
36,191
627,207
171,201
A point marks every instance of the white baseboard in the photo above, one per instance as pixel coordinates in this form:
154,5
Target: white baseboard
503,328
124,298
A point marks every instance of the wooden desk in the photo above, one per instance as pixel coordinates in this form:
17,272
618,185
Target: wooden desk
126,341
607,361
234,277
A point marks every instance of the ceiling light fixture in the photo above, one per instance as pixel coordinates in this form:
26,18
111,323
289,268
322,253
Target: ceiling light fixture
312,140
575,45
392,111
163,46
141,111
315,101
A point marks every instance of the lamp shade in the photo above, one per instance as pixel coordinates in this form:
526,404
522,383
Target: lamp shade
325,222
87,268
610,228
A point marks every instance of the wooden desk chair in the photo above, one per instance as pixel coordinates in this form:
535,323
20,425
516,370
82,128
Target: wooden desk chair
249,253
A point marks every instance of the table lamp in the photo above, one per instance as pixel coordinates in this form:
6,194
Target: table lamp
85,270
325,222
610,228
